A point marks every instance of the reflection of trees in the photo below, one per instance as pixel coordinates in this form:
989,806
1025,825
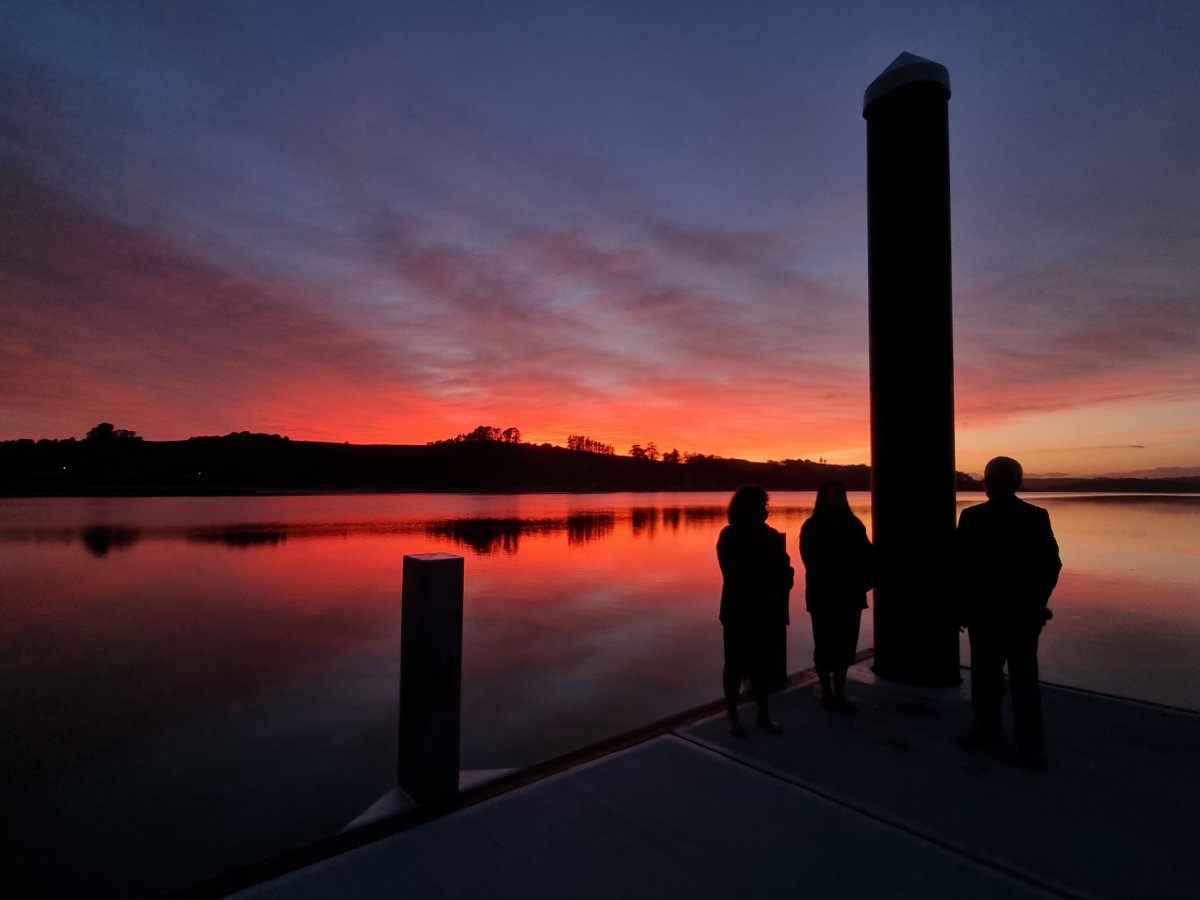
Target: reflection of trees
703,514
485,536
99,539
488,536
645,519
240,536
583,528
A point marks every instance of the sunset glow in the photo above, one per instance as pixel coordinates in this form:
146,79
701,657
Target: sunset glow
390,223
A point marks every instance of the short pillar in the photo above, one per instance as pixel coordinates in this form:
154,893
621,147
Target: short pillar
912,371
430,676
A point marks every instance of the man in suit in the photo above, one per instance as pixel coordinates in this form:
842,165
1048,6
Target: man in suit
1008,566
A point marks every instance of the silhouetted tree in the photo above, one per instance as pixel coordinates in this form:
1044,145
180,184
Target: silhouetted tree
637,452
589,445
651,450
105,432
671,456
485,433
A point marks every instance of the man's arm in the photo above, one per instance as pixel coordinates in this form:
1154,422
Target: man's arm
1050,563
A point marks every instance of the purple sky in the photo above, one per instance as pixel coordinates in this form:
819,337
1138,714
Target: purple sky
643,221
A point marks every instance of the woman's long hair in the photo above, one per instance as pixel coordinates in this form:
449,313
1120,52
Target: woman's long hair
748,506
832,502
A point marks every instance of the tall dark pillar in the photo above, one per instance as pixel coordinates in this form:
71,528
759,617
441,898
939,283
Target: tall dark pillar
912,371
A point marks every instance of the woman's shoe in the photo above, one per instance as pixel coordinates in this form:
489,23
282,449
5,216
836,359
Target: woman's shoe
769,725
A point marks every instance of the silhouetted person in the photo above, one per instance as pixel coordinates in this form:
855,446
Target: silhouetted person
1008,565
754,605
838,561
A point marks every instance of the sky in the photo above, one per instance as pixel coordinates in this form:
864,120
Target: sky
389,222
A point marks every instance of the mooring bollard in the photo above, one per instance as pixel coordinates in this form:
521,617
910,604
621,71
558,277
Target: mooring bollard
430,676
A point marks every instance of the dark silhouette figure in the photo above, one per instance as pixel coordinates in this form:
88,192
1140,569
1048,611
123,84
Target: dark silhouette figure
838,562
754,605
1008,565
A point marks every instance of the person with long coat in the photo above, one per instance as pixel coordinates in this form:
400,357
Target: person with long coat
839,570
1008,566
758,575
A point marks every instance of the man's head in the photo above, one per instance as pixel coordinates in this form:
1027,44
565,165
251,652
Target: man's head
1002,476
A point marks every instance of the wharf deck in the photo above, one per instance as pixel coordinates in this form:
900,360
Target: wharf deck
878,802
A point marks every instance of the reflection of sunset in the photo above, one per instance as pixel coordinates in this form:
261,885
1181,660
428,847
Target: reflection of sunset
149,639
288,584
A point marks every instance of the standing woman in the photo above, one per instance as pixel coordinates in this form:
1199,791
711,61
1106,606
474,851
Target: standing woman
838,562
754,605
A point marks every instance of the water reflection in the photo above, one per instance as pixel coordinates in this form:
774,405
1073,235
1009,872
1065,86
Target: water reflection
704,514
502,535
487,536
584,528
241,537
482,535
645,519
184,657
100,539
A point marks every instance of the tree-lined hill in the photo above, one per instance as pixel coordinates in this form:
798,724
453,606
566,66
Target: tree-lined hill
245,462
117,461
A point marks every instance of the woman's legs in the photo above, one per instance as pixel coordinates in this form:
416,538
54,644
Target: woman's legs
847,647
765,722
732,683
744,650
839,689
821,656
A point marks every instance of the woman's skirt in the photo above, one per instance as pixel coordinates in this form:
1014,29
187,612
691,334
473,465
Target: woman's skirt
835,637
758,651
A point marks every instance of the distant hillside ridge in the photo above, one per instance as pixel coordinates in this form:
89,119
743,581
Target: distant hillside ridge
115,461
241,463
1122,485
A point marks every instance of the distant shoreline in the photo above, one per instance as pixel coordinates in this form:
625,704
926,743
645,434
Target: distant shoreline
243,464
9,493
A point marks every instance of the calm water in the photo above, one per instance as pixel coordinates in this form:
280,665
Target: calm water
188,684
